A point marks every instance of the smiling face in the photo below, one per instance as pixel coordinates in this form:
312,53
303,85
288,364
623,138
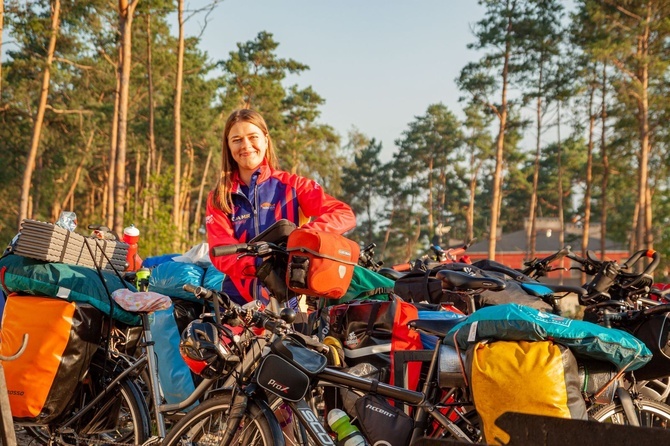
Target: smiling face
248,145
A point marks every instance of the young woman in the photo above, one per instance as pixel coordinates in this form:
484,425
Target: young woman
252,193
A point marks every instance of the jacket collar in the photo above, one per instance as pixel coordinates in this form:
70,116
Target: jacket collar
265,172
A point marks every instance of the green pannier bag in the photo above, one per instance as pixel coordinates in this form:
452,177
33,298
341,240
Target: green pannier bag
69,282
366,285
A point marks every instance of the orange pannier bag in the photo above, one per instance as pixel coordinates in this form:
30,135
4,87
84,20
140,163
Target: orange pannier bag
62,338
320,263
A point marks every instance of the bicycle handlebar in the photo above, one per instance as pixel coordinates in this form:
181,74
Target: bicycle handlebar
540,267
237,315
225,250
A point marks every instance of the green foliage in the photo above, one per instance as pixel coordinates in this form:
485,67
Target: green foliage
399,203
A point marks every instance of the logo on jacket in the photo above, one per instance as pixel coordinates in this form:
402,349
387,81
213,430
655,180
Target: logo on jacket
267,205
241,217
209,219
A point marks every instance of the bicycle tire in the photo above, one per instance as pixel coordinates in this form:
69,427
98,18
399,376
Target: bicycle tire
132,424
202,425
650,414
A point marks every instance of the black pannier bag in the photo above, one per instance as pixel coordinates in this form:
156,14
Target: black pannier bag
513,292
655,333
419,286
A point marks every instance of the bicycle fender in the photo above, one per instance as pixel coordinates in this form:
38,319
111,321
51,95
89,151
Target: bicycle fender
277,435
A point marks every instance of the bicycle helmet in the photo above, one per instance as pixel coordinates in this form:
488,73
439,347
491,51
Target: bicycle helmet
203,351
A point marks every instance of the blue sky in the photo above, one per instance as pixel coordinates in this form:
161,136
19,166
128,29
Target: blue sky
377,63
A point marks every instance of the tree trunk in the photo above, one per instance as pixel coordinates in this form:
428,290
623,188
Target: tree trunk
2,24
561,232
151,158
606,165
108,208
69,197
126,11
532,233
645,239
500,147
431,219
586,221
387,234
470,218
176,208
201,193
39,119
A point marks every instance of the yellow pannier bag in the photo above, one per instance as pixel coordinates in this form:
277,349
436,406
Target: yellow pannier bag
539,378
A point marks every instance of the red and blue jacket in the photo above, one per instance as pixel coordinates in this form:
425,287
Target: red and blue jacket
272,195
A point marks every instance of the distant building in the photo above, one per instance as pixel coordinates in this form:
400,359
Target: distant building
512,249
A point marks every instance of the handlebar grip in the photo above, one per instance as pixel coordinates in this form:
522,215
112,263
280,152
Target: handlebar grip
454,253
655,260
225,250
402,267
190,288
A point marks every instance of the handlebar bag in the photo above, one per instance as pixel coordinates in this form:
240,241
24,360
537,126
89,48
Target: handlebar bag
62,338
320,263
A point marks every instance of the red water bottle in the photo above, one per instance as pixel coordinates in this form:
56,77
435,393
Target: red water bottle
131,235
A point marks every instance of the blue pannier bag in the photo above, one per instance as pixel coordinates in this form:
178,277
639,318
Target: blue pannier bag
170,277
513,322
175,376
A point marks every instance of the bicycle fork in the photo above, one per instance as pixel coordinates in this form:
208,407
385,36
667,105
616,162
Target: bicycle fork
628,406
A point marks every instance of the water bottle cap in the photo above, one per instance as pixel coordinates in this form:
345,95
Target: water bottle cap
131,231
143,273
336,414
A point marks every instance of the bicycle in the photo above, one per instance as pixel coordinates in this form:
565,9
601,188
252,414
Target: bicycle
252,401
107,405
127,353
246,415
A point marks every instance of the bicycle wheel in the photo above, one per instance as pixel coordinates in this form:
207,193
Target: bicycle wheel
205,424
121,418
649,413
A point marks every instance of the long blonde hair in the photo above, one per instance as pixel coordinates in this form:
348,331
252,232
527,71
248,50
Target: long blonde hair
223,189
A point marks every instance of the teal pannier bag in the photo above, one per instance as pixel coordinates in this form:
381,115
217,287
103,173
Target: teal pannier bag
366,284
70,282
513,322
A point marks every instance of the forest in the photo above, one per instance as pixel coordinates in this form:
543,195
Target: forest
108,111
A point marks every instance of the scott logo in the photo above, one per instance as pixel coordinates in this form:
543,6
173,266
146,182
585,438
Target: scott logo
278,386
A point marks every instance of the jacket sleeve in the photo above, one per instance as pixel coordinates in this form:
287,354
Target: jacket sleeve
328,213
220,232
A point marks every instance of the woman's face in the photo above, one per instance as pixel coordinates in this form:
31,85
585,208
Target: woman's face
248,145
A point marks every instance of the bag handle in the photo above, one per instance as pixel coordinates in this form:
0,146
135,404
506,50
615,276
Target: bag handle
321,255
